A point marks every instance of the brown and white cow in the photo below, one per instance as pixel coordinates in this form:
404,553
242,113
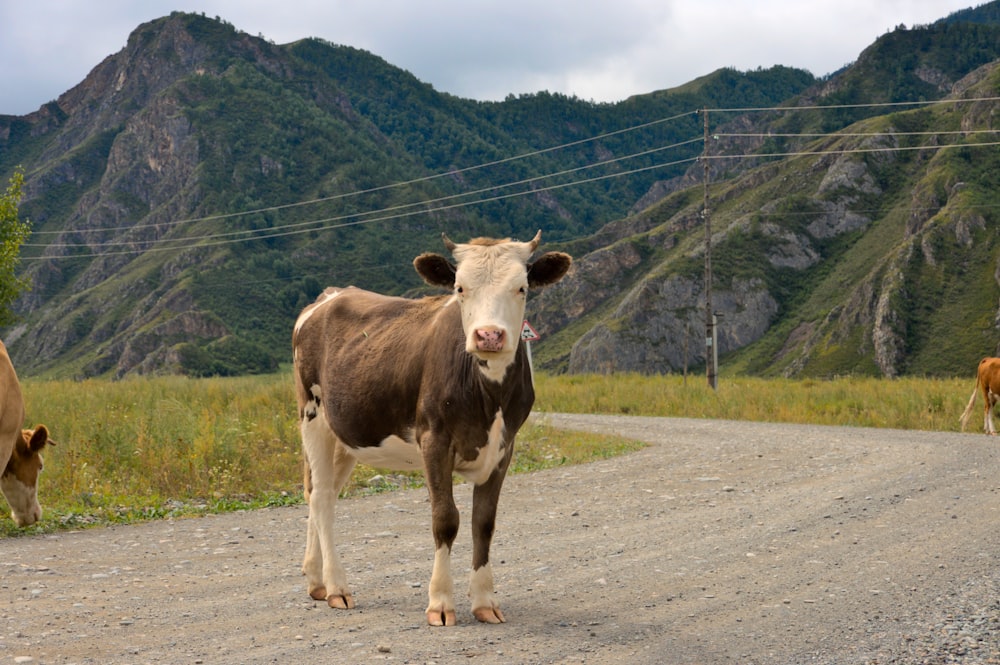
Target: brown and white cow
987,381
440,383
19,449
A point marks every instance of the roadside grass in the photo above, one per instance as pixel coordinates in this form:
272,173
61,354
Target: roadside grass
168,447
930,404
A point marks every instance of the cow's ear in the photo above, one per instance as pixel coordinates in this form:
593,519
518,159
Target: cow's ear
548,268
39,438
435,269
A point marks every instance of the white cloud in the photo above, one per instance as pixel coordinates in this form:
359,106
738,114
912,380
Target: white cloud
484,49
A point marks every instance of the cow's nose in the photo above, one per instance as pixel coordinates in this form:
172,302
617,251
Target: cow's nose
490,339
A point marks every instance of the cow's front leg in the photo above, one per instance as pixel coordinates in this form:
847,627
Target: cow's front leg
484,511
444,525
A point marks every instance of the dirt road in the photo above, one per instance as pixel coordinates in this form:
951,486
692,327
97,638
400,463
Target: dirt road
722,542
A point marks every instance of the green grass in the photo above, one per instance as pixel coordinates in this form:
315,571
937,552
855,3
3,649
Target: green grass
153,448
174,447
907,403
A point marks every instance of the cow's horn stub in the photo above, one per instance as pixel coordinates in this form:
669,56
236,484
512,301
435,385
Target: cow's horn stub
449,245
536,240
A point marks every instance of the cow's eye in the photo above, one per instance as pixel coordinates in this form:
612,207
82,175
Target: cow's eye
523,290
459,290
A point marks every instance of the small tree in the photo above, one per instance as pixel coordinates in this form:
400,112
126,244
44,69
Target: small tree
13,232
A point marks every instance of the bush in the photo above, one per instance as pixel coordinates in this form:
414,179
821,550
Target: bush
228,356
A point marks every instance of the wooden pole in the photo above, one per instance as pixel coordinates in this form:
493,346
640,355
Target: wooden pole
711,354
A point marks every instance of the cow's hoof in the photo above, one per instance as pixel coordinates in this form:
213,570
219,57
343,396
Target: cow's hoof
340,601
343,601
440,617
489,615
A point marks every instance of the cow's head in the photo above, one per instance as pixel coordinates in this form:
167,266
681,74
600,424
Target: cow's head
491,279
19,481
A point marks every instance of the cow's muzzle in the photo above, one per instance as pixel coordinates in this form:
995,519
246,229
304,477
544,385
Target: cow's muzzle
491,340
27,518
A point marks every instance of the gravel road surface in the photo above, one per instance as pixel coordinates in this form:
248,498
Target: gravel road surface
722,542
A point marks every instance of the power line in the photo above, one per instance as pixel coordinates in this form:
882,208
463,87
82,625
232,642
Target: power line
397,208
405,211
826,107
381,188
401,212
525,181
853,151
430,206
266,234
960,132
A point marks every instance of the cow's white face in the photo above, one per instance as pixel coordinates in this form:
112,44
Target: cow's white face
491,288
19,481
491,282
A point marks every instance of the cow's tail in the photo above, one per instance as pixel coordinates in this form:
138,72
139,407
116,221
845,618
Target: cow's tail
972,402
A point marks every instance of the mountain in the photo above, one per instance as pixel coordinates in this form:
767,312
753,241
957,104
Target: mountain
202,185
868,249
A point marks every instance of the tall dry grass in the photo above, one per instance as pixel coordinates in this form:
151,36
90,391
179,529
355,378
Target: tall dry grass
170,446
167,445
908,403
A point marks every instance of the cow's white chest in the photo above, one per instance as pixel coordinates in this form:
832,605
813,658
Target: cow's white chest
490,456
495,370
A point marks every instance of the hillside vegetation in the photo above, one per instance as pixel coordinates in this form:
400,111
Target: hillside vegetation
868,251
201,186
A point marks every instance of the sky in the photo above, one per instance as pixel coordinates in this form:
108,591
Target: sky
598,50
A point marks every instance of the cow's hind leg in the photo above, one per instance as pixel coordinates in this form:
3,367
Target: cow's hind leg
991,400
329,466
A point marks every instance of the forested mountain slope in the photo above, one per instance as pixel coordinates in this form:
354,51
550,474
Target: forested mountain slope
202,185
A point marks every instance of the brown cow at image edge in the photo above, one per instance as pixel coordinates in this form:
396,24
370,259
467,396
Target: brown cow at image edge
987,381
19,449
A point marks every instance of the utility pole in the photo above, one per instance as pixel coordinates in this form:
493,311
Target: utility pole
711,353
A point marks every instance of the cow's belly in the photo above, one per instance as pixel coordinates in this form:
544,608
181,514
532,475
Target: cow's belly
402,453
392,452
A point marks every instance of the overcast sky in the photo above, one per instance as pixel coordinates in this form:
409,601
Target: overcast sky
601,50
